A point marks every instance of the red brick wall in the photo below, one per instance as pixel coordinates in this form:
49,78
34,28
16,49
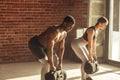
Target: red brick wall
21,19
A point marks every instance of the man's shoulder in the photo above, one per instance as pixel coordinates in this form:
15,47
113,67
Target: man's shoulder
52,28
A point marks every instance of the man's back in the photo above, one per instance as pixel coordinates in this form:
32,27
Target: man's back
52,34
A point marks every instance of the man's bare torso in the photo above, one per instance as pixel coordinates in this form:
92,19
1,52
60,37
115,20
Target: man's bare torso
52,36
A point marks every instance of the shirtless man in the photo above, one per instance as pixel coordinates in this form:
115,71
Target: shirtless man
42,46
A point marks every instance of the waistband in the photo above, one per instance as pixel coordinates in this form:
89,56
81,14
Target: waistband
78,41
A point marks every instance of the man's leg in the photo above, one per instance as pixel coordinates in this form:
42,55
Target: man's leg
45,67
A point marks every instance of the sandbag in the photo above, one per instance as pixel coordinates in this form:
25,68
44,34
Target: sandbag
56,75
91,67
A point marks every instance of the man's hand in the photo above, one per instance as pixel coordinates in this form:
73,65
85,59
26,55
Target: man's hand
59,67
52,68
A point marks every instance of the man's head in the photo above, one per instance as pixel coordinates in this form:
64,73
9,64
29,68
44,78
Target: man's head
102,22
68,23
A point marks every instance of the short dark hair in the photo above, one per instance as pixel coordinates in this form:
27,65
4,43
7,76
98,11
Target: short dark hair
69,19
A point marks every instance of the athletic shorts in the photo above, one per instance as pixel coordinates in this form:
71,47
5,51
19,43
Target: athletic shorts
36,48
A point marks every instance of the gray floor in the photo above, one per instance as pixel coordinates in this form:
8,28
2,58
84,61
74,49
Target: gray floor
31,71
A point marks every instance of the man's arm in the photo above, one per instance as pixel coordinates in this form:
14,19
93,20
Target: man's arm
50,45
60,53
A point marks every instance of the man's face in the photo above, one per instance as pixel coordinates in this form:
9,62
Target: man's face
69,27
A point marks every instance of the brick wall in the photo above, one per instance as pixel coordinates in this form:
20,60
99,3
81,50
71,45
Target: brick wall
21,19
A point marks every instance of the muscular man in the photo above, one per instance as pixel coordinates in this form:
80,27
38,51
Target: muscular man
42,46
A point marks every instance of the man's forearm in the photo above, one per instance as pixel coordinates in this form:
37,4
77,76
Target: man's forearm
60,55
50,60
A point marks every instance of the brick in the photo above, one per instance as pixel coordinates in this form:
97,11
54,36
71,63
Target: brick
21,19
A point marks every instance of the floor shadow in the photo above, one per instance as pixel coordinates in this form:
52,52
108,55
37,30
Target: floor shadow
73,78
111,71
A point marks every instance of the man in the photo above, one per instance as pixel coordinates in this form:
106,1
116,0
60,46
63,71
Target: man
42,46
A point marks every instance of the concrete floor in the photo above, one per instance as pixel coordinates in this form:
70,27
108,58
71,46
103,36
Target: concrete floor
31,71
